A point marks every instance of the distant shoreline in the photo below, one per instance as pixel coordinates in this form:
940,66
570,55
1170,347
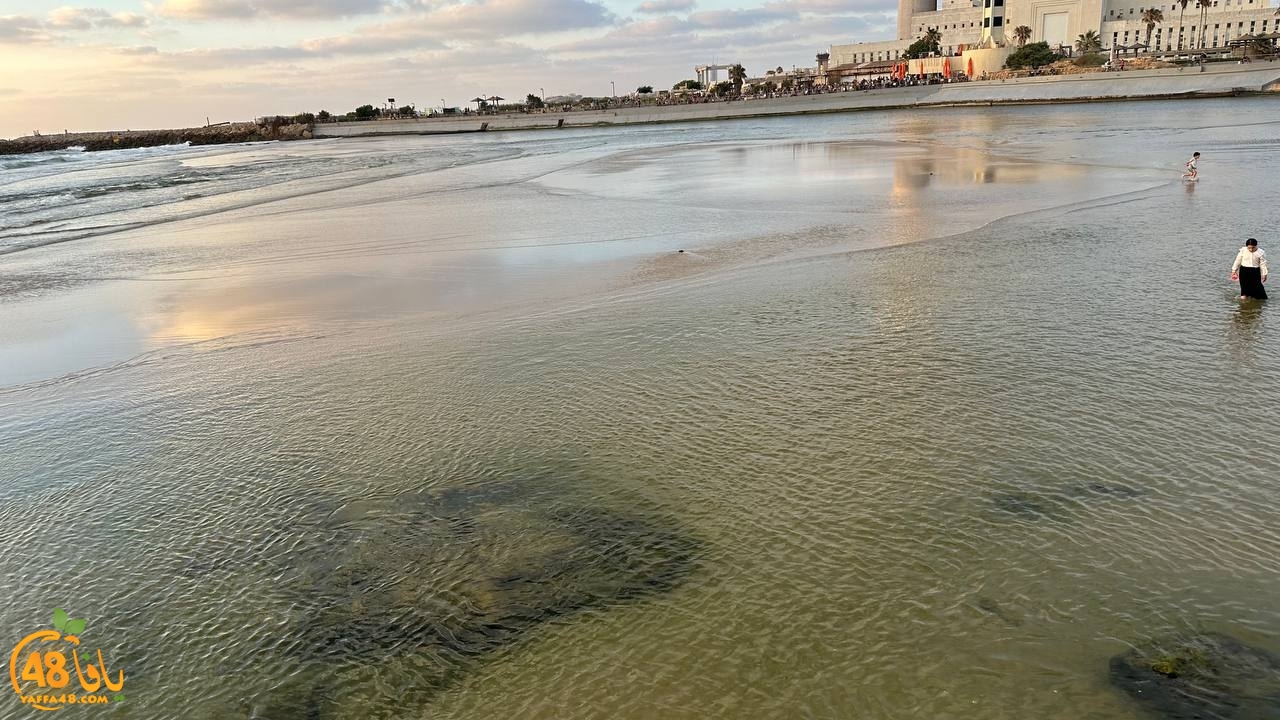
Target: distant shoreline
1162,84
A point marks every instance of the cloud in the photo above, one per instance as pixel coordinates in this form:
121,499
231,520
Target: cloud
137,50
130,20
22,29
505,18
665,6
837,7
70,18
371,43
74,18
241,9
737,19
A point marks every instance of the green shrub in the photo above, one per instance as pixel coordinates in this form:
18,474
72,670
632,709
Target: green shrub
1090,60
1031,55
922,47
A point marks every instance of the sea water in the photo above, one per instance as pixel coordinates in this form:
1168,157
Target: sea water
935,413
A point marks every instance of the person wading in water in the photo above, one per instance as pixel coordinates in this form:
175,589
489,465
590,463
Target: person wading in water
1250,268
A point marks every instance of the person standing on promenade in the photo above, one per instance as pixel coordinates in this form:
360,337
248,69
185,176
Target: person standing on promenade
1250,268
1192,173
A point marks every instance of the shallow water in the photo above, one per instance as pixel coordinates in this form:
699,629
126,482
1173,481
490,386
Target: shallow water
477,442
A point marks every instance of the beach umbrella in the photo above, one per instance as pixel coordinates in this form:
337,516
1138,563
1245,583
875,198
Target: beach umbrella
970,68
946,67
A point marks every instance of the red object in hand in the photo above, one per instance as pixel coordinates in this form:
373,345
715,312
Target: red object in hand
1235,276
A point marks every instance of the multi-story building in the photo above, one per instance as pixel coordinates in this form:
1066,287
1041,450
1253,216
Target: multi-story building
1060,22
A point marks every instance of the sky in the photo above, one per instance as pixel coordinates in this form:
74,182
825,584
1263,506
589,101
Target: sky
135,64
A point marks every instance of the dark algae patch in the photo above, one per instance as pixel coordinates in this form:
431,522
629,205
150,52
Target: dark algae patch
412,592
1208,676
1058,504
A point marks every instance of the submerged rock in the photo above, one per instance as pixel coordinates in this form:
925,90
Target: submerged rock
991,606
1039,505
430,584
1201,677
1103,490
1028,505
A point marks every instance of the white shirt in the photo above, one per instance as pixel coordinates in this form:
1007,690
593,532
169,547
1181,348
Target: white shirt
1244,258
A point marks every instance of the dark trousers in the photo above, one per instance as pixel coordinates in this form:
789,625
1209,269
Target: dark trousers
1251,283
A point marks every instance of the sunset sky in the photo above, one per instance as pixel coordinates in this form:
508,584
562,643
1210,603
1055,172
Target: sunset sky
126,64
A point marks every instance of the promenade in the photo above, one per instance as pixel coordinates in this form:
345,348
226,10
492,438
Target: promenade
1188,82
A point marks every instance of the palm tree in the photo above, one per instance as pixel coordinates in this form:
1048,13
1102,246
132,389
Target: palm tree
738,75
935,38
1151,17
1204,6
1023,33
1183,4
1090,42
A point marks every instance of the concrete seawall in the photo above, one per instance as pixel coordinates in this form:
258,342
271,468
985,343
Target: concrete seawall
1136,84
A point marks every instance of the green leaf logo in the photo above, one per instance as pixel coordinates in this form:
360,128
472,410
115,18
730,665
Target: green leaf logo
66,625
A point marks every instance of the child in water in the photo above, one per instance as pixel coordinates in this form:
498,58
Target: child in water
1191,173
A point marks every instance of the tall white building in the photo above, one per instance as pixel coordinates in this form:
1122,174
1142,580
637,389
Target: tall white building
1060,22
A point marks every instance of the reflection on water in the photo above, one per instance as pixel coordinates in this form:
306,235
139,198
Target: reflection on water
1245,330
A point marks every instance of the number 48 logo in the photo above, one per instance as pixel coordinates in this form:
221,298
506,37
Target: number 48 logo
46,668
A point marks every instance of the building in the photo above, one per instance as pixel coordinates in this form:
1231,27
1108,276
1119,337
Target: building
966,24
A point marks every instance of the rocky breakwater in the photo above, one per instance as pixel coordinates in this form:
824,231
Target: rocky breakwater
263,129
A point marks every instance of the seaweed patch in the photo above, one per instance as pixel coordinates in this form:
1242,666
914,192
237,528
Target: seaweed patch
437,582
1202,677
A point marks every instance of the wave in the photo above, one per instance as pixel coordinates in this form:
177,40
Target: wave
17,162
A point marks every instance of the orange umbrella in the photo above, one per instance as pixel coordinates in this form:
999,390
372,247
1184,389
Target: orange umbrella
946,67
970,73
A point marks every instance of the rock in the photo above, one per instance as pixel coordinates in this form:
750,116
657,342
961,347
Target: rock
991,606
1208,676
1101,490
416,591
1027,505
1035,505
266,129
